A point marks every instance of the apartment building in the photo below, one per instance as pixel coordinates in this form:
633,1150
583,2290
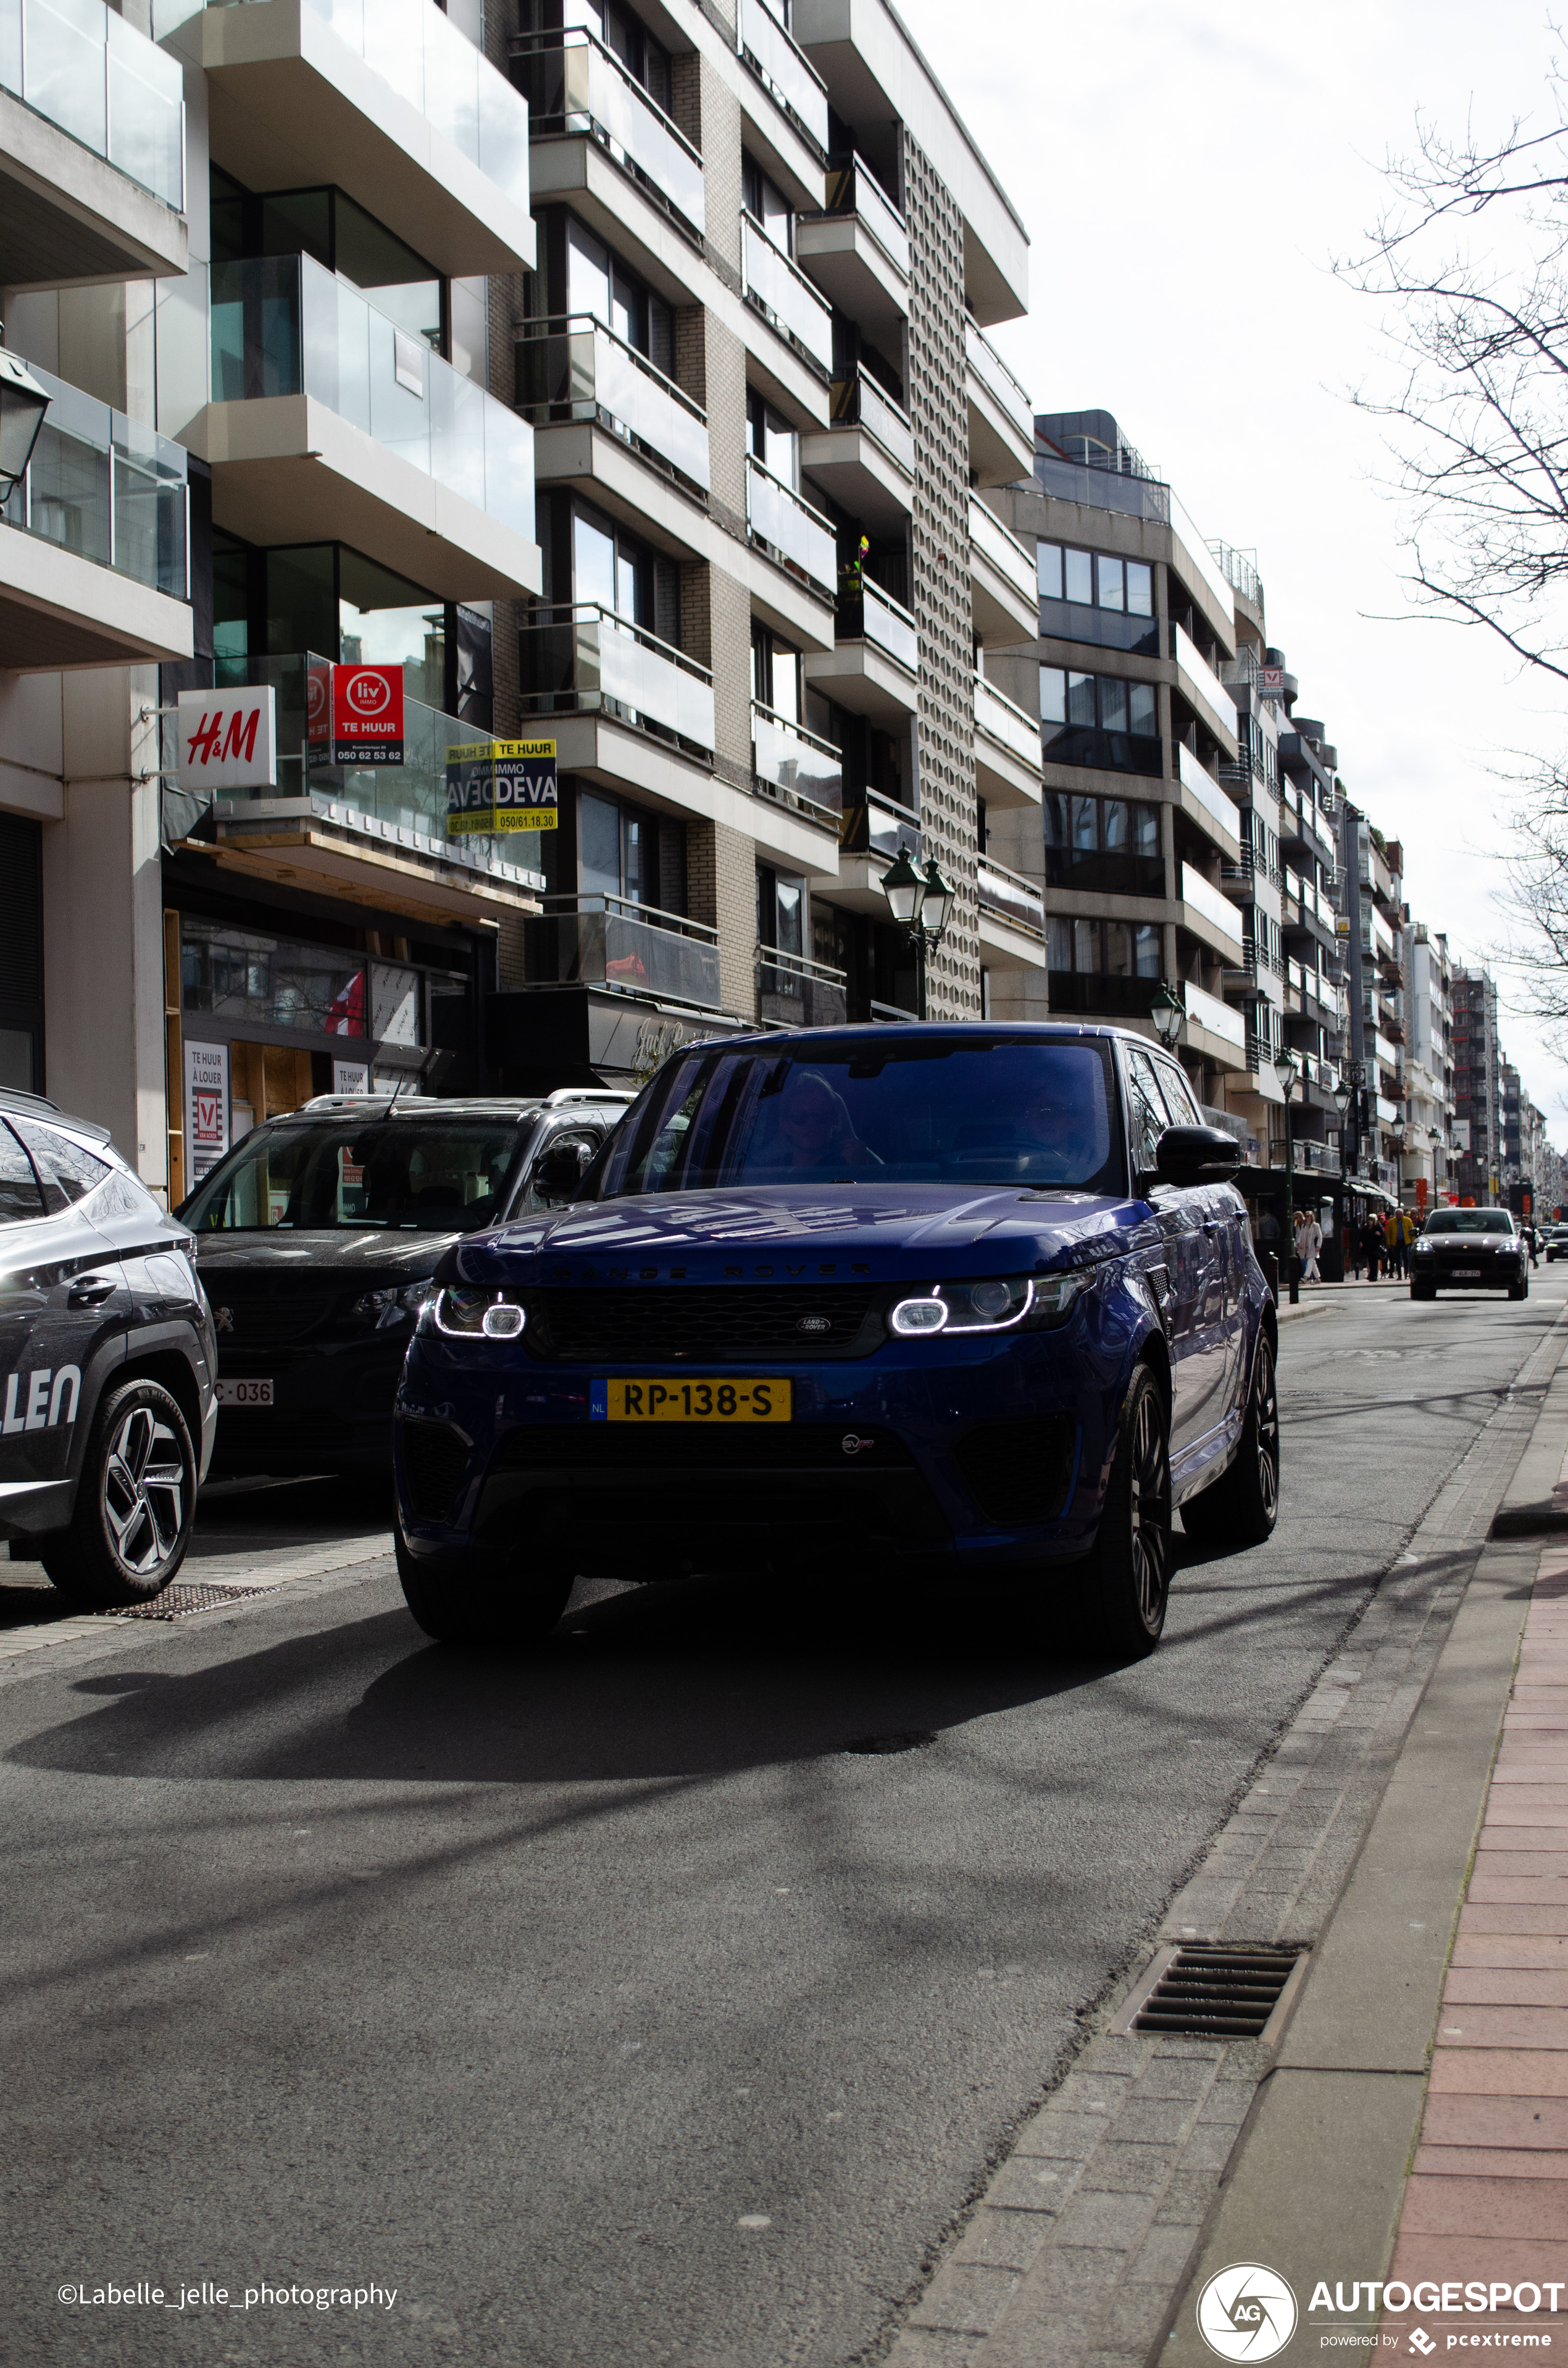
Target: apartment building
1428,1152
608,376
1478,1086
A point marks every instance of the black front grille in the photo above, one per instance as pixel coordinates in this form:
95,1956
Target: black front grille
704,1324
255,1319
266,1438
701,1447
1217,1993
1018,1471
435,1458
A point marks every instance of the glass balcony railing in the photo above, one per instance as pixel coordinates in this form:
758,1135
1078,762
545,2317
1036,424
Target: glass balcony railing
1011,897
854,189
1011,727
1215,703
1005,552
281,325
998,381
799,537
1202,785
1208,1012
781,292
798,993
105,488
784,72
584,659
415,47
859,401
98,78
407,802
791,766
878,831
1201,896
872,615
573,85
631,948
571,367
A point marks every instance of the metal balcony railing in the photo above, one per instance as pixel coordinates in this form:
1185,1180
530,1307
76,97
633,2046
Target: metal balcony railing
790,530
793,767
574,85
854,189
1013,898
631,948
879,830
571,366
580,658
872,615
799,992
106,488
93,75
997,380
778,288
859,401
1239,572
281,325
784,70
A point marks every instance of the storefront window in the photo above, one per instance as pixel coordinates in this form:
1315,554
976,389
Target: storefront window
250,981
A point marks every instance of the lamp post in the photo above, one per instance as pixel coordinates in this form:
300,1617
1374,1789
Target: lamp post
1285,1070
922,906
22,405
1168,1012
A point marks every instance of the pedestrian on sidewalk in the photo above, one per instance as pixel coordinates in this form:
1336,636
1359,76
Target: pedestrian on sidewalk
1530,1236
1394,1235
1309,1241
1372,1242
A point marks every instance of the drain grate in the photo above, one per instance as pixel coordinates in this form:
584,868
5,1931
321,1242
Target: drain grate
177,1601
1208,1991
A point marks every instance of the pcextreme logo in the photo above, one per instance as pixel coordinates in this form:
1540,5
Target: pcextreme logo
1247,2312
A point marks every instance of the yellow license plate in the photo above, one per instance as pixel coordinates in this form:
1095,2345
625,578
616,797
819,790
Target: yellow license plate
693,1401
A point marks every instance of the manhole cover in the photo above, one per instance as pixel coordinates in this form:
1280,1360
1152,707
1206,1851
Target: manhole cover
904,1739
177,1603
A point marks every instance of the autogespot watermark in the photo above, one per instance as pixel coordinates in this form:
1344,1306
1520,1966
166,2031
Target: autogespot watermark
139,2293
1249,2312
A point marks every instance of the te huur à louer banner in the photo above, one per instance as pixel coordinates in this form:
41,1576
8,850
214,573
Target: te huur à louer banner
499,785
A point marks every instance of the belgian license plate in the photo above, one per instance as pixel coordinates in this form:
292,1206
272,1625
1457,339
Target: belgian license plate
695,1400
244,1393
1466,1274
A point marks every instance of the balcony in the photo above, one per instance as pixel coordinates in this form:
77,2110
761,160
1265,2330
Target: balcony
577,89
794,769
1222,822
584,660
797,993
389,101
375,835
92,148
873,667
1203,690
413,463
794,536
1001,416
1004,591
629,949
571,368
1210,916
1007,749
1207,1014
93,558
870,837
856,250
779,291
1009,897
865,458
786,74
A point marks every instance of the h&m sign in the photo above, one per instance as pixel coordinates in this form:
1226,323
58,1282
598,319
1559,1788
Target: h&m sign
228,740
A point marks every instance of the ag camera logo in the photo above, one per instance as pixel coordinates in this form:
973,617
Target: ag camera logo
1247,2312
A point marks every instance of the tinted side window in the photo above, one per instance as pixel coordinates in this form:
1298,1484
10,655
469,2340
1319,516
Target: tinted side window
76,1171
19,1194
1147,1111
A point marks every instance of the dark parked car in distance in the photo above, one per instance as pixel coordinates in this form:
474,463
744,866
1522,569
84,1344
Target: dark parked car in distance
317,1237
1469,1250
106,1363
945,1301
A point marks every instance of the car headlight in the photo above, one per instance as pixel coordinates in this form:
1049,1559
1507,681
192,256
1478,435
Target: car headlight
383,1307
1424,1249
468,1314
998,1304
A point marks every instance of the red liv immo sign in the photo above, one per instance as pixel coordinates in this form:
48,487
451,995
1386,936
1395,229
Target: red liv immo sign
356,715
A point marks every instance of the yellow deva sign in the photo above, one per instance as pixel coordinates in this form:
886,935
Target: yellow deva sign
500,785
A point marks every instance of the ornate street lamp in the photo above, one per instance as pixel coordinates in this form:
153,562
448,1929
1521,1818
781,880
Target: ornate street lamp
1168,1014
922,906
1286,1071
22,405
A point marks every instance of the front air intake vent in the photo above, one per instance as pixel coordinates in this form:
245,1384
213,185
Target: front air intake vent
1208,1990
435,1458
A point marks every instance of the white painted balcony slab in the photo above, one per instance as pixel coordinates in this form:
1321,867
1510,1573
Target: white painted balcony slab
798,536
783,105
396,107
858,253
1210,916
1203,690
1007,749
1003,592
70,214
865,459
1205,803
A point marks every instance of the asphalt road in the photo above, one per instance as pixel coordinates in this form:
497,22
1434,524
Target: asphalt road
612,2006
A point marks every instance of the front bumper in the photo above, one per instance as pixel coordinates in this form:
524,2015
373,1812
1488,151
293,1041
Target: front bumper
1474,1274
332,1407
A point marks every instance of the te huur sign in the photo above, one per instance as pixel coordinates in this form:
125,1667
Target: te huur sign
500,785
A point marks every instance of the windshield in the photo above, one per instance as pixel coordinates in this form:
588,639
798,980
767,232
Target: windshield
1470,1221
406,1174
968,1109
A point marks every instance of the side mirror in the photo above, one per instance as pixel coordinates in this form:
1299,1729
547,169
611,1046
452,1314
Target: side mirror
1196,1154
559,1170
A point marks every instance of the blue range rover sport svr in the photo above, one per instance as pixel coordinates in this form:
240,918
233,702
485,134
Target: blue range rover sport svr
963,1300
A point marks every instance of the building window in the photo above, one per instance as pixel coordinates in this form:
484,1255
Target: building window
1100,720
772,440
768,205
599,284
1103,949
623,852
775,673
1109,844
1095,579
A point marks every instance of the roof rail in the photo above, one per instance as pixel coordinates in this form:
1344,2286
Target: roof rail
586,1094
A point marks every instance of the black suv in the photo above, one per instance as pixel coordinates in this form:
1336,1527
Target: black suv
107,1363
317,1237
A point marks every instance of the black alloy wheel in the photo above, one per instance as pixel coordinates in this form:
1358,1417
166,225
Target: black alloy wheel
521,1612
1241,1506
1129,1569
135,1503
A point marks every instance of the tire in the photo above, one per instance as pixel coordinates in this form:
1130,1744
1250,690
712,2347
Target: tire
1241,1506
1519,1289
1130,1570
135,1503
1424,1291
454,1610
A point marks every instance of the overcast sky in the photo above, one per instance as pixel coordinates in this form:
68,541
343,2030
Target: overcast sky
1186,171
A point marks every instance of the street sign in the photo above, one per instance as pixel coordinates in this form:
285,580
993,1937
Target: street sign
367,715
500,785
1270,682
228,740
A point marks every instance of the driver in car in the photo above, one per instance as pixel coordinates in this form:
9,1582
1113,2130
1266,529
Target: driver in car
814,1133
